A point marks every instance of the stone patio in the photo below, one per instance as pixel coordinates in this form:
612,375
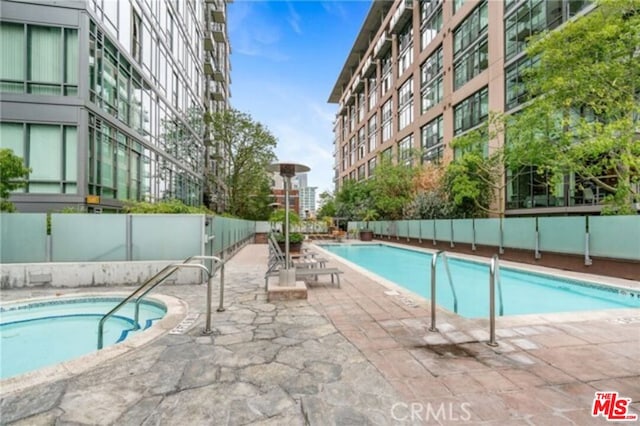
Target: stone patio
359,354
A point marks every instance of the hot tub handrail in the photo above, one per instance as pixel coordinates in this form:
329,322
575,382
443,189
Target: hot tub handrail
166,271
210,274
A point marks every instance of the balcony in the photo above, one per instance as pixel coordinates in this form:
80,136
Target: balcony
219,75
403,14
382,45
358,83
216,8
209,64
217,30
369,67
209,45
216,91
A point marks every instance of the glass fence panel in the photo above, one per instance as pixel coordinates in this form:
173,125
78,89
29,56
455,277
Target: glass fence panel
488,232
519,232
414,229
166,237
463,231
443,229
427,227
86,237
23,237
562,234
615,236
402,228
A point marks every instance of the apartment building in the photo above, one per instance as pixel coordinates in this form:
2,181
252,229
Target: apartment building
422,72
104,99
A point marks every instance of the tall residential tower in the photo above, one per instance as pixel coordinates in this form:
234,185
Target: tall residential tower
423,72
105,99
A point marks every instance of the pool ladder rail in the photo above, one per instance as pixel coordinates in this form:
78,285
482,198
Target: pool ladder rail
159,278
494,276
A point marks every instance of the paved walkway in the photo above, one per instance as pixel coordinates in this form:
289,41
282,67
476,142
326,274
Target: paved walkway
355,355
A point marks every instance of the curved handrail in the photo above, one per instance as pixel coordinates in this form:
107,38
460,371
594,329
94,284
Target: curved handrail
434,261
173,267
494,271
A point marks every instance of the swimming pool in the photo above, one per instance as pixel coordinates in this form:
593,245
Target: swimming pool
42,333
522,292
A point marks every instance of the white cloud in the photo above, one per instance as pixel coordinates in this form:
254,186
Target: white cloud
294,19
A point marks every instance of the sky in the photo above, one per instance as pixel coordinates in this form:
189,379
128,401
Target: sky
285,59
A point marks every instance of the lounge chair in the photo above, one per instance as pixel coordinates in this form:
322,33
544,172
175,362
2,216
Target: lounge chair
302,273
307,266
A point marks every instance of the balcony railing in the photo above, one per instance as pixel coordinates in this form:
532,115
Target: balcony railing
218,32
382,45
357,83
369,67
402,15
216,8
216,91
209,45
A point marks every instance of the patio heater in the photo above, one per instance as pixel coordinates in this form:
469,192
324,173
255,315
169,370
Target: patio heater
287,171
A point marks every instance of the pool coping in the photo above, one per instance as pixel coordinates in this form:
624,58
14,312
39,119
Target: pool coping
408,297
177,310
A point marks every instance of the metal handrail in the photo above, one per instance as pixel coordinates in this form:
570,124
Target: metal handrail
164,273
434,260
494,271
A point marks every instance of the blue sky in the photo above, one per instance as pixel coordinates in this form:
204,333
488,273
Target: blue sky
286,57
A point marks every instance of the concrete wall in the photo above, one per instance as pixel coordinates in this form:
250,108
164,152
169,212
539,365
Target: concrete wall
21,275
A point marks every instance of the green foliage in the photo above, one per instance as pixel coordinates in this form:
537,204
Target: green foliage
353,199
428,205
278,216
164,207
327,205
473,179
13,175
294,237
584,114
392,189
249,147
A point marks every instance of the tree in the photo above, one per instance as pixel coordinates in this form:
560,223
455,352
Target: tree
248,147
353,199
584,115
475,181
13,175
392,189
327,205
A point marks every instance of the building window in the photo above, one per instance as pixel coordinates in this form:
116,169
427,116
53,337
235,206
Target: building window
457,4
405,104
471,62
431,81
387,154
471,29
514,86
531,17
386,73
405,49
373,92
136,36
352,151
430,22
361,172
432,139
361,106
174,90
471,111
371,166
50,151
387,130
352,118
38,59
372,130
404,150
345,156
362,141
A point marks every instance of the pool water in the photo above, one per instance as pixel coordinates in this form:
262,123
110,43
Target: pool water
522,292
37,334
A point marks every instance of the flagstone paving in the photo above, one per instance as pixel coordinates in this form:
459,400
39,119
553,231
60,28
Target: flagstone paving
354,355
